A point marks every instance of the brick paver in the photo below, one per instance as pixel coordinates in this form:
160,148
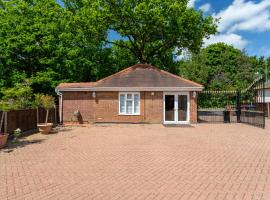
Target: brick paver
114,162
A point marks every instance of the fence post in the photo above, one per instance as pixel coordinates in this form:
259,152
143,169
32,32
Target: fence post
5,125
37,116
238,106
263,101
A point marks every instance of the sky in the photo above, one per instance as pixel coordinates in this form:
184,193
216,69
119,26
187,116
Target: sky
245,24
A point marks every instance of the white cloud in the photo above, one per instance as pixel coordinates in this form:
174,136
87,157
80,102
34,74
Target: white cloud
205,7
257,23
244,15
229,38
241,15
191,3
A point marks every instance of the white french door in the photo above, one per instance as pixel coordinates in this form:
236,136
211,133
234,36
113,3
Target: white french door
176,108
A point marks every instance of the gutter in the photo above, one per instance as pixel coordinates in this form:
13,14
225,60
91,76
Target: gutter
133,89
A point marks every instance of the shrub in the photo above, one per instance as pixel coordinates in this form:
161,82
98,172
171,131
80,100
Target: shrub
18,97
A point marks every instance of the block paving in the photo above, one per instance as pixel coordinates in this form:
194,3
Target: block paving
140,162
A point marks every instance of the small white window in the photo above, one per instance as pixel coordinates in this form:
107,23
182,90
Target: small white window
129,103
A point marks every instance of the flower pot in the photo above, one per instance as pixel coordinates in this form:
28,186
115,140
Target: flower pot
3,139
45,128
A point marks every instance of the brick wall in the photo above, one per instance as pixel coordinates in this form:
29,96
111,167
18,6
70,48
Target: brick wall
154,107
193,108
105,107
81,101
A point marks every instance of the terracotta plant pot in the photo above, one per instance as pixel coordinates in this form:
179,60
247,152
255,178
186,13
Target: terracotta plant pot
45,128
3,139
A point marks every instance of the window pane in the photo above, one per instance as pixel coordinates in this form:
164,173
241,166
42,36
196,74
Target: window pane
169,108
136,104
122,103
129,96
129,107
182,107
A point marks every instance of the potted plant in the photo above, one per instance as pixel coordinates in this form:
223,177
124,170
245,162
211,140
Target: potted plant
4,107
46,102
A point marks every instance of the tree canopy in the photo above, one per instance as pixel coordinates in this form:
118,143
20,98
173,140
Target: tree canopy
221,66
156,27
43,43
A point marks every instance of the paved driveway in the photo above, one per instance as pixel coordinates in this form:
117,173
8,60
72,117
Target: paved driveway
221,161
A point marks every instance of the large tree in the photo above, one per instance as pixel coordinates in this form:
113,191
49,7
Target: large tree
37,36
153,27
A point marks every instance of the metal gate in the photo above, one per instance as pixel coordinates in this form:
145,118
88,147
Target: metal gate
242,106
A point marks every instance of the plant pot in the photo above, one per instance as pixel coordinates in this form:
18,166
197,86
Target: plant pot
3,139
45,128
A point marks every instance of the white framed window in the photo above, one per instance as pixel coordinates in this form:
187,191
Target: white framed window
129,103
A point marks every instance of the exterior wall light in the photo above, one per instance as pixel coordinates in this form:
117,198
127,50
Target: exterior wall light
152,93
94,95
194,94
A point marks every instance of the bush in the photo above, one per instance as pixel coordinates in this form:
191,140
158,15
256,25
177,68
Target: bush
18,97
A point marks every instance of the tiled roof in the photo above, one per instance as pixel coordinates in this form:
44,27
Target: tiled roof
140,76
143,75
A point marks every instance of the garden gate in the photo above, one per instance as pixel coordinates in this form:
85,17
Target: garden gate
241,106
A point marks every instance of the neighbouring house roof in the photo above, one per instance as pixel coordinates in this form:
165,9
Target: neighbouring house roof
76,85
140,77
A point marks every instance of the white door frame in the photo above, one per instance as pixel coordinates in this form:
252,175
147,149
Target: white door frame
176,108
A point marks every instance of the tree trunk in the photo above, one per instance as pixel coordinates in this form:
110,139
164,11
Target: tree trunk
47,115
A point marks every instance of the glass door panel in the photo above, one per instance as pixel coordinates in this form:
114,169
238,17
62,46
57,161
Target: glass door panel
182,107
169,108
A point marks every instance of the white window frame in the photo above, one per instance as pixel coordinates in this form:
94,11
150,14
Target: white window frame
176,121
119,104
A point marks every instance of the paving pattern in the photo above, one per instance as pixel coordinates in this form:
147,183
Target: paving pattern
140,162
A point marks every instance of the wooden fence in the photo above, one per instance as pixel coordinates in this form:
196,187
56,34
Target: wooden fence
27,120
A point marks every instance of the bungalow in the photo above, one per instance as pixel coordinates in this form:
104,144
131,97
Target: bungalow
139,94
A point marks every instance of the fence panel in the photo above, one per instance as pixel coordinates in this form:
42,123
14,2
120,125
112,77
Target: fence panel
27,119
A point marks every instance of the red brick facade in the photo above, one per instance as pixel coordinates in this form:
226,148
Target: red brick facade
105,107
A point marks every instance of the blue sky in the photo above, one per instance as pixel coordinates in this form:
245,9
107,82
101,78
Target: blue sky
244,24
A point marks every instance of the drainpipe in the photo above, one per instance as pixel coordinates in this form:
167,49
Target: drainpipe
60,106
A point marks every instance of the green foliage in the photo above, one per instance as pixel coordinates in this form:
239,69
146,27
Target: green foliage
45,81
44,44
45,101
5,106
18,97
155,27
220,67
38,37
218,100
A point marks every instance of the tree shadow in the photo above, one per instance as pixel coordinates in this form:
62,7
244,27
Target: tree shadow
11,146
